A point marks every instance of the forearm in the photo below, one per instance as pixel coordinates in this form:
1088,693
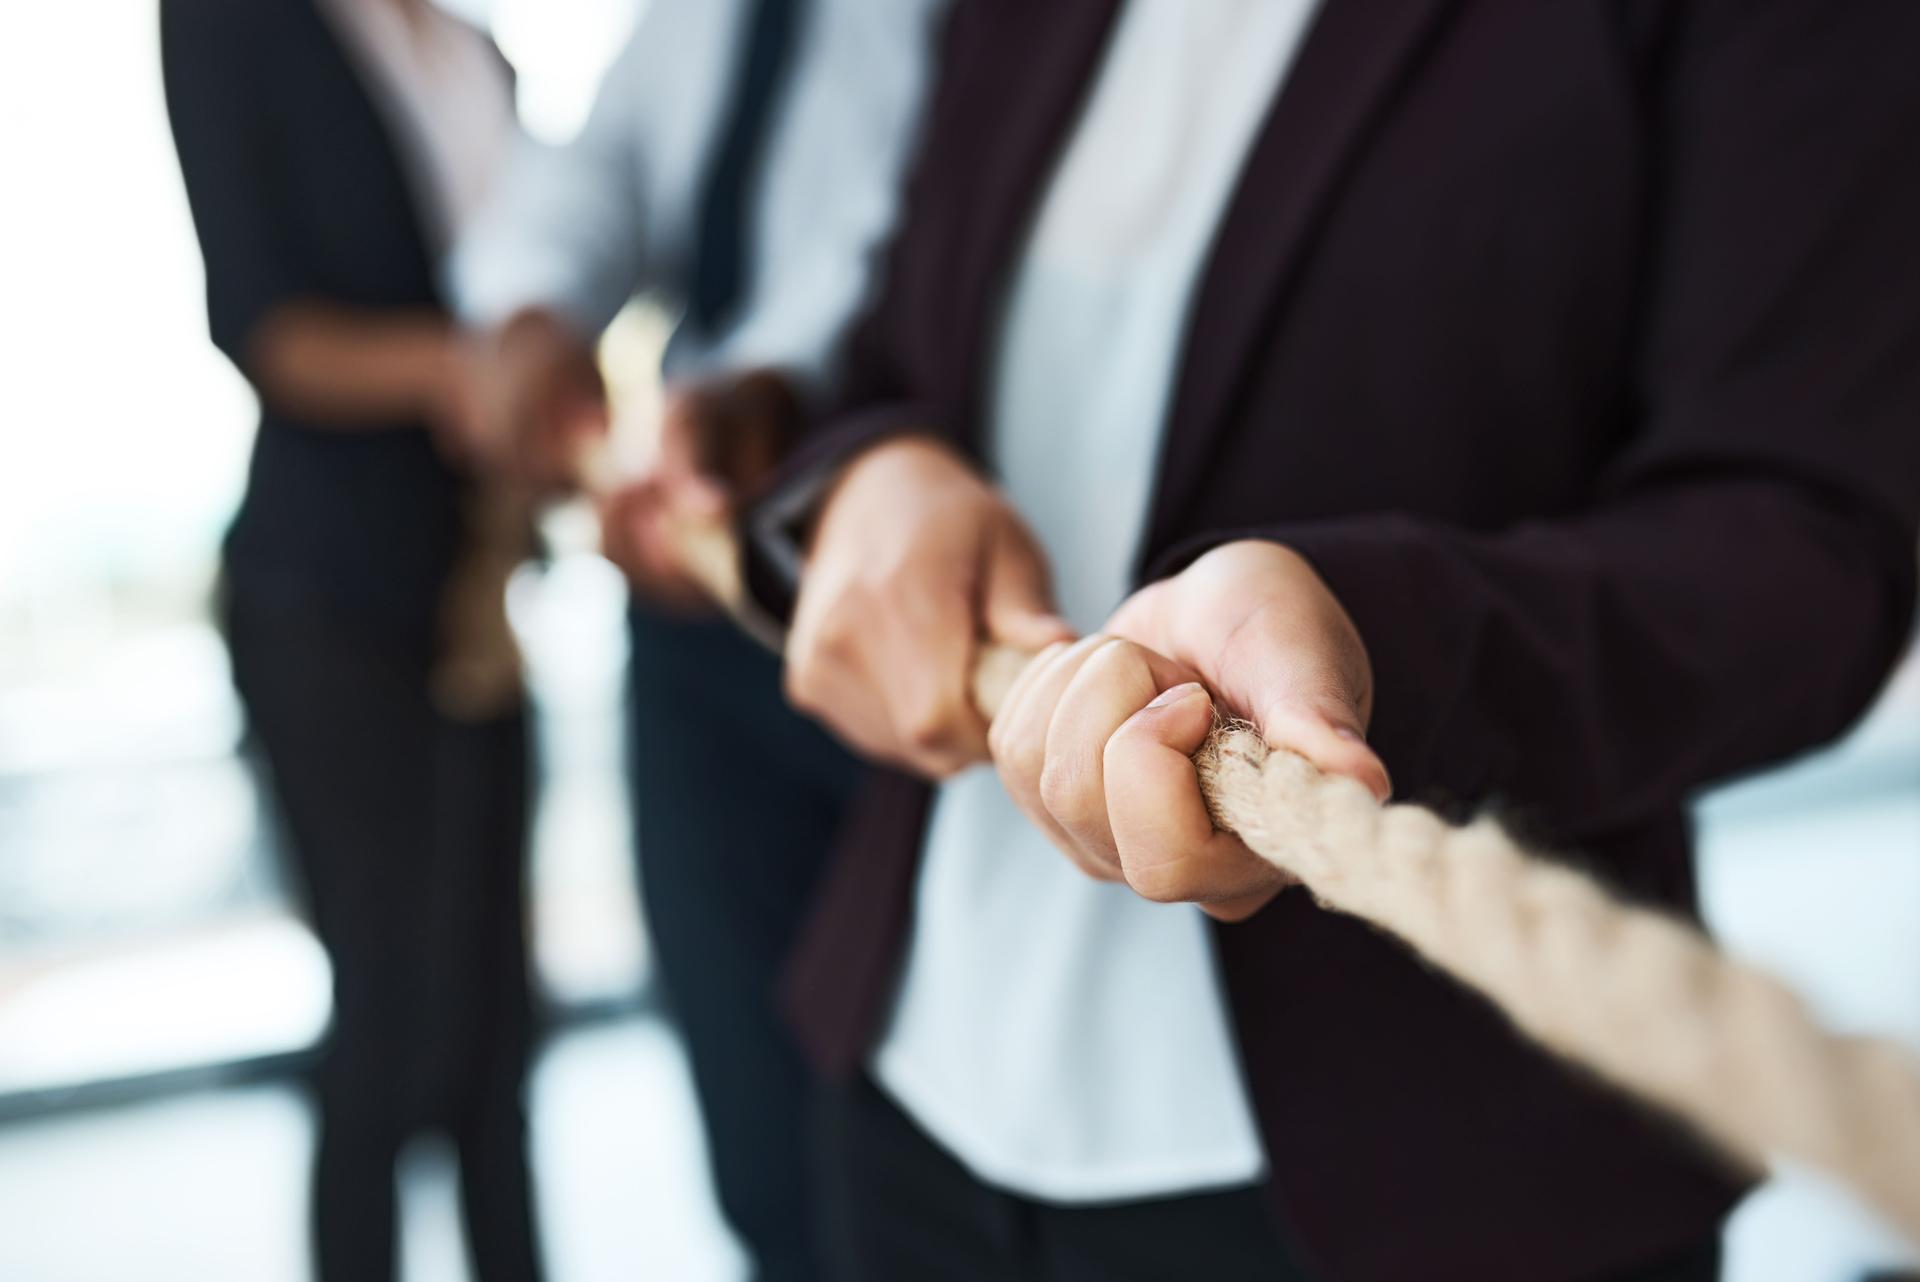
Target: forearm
353,368
1591,671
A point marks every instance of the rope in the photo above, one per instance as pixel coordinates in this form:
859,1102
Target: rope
1639,997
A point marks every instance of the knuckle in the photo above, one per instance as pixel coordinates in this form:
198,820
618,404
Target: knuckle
1022,769
1019,756
834,643
1162,883
1107,652
1065,794
1052,651
1117,662
1011,758
928,729
1094,869
831,636
1123,653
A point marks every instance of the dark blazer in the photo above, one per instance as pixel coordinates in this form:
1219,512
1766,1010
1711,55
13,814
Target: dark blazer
1577,345
300,192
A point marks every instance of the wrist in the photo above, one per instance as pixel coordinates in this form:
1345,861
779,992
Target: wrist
435,354
538,325
908,459
914,451
535,348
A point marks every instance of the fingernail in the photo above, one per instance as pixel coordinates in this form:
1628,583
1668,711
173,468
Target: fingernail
1349,734
1177,694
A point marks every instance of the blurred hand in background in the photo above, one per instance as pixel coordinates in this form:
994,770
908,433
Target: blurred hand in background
538,401
720,440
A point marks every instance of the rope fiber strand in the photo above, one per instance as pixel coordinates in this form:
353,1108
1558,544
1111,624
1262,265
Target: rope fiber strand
1640,997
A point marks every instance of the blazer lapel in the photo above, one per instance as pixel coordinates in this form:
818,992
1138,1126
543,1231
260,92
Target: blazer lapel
1356,55
1060,47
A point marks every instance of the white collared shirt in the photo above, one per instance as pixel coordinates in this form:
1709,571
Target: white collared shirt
583,227
447,96
1064,1038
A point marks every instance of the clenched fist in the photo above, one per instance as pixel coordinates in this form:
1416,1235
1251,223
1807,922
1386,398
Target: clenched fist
720,439
1096,738
914,562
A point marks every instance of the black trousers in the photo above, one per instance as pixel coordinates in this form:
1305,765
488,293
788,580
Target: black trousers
899,1209
738,799
409,831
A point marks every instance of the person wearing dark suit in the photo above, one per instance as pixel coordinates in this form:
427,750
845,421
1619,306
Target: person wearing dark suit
329,148
1504,405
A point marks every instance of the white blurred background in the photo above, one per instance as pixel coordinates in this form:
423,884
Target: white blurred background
155,981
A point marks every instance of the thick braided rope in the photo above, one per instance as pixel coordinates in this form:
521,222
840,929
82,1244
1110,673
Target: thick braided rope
1639,997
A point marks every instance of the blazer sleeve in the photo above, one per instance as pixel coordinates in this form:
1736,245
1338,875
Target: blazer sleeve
572,227
1745,577
211,55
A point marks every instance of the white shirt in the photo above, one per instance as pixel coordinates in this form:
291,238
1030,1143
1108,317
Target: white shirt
582,228
446,94
1063,1038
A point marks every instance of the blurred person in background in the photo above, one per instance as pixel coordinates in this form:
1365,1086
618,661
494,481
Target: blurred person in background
1518,399
331,149
739,166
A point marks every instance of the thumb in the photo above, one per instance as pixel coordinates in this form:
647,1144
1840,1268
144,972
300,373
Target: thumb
1306,683
1328,734
1016,605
